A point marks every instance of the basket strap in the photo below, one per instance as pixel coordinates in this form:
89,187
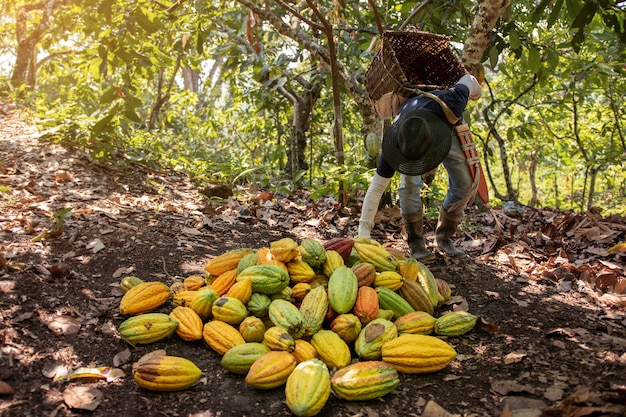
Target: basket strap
452,118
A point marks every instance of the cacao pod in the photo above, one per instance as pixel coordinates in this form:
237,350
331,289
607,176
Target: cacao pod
416,295
202,303
417,353
222,283
147,328
259,304
300,290
332,262
428,281
144,298
266,279
247,260
347,326
303,350
365,273
342,245
312,252
252,329
300,271
271,370
286,315
391,300
229,310
369,343
308,388
376,255
331,349
194,282
314,307
241,290
366,305
389,279
226,261
189,323
128,282
277,338
455,323
221,336
365,380
342,289
285,249
240,358
158,372
417,322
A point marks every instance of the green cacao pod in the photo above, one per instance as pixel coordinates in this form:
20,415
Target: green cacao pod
370,341
246,261
271,370
259,304
286,315
147,328
342,289
252,329
372,144
365,380
240,358
417,353
312,252
428,281
391,300
202,303
314,307
128,282
266,279
455,323
308,388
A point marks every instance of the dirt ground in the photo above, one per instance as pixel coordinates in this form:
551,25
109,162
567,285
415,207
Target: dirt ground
550,289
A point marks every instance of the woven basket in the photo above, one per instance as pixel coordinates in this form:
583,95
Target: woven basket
409,60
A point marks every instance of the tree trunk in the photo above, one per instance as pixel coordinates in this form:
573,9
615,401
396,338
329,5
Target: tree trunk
535,201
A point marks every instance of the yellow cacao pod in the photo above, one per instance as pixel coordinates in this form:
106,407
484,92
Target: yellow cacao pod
314,307
347,326
417,322
300,290
226,261
389,279
222,283
333,261
189,323
147,328
455,323
144,298
277,338
303,350
252,329
377,256
428,281
285,250
271,370
331,349
417,353
300,271
229,310
241,290
308,388
165,373
183,297
221,336
194,282
409,268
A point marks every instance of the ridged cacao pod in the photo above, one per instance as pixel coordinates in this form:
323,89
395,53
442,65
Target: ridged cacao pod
271,370
312,252
266,279
365,273
128,282
444,291
455,323
277,338
221,336
241,290
391,300
252,329
304,350
314,307
202,303
165,373
285,294
285,249
194,282
308,388
229,310
417,353
176,287
377,256
428,281
389,279
183,297
331,349
259,304
286,315
409,269
332,262
418,322
416,295
342,245
365,380
240,358
147,328
300,271
385,314
342,289
347,326
222,283
189,323
247,260
226,261
370,341
366,305
372,144
144,298
300,290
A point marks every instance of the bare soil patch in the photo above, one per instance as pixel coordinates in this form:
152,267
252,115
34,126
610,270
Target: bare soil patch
549,286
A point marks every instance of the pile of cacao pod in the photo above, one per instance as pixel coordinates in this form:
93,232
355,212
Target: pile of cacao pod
344,317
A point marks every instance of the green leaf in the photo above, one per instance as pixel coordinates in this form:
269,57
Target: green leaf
554,14
514,39
101,125
534,59
493,56
109,95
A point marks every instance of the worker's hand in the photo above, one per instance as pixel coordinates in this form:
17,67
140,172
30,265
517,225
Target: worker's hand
475,91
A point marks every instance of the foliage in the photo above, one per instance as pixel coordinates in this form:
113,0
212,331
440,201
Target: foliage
113,82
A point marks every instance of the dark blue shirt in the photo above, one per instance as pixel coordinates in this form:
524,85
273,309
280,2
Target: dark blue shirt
455,97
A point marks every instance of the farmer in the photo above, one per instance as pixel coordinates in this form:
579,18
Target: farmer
420,138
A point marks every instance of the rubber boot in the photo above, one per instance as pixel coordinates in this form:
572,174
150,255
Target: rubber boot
446,227
414,224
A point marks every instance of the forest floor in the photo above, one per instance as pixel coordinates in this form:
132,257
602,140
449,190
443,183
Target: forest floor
549,287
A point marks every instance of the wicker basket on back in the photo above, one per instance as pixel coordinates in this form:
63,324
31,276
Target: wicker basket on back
409,60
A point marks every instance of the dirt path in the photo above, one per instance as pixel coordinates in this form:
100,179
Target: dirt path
548,285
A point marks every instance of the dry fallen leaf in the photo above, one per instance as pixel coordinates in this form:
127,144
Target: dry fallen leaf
64,325
6,389
82,398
